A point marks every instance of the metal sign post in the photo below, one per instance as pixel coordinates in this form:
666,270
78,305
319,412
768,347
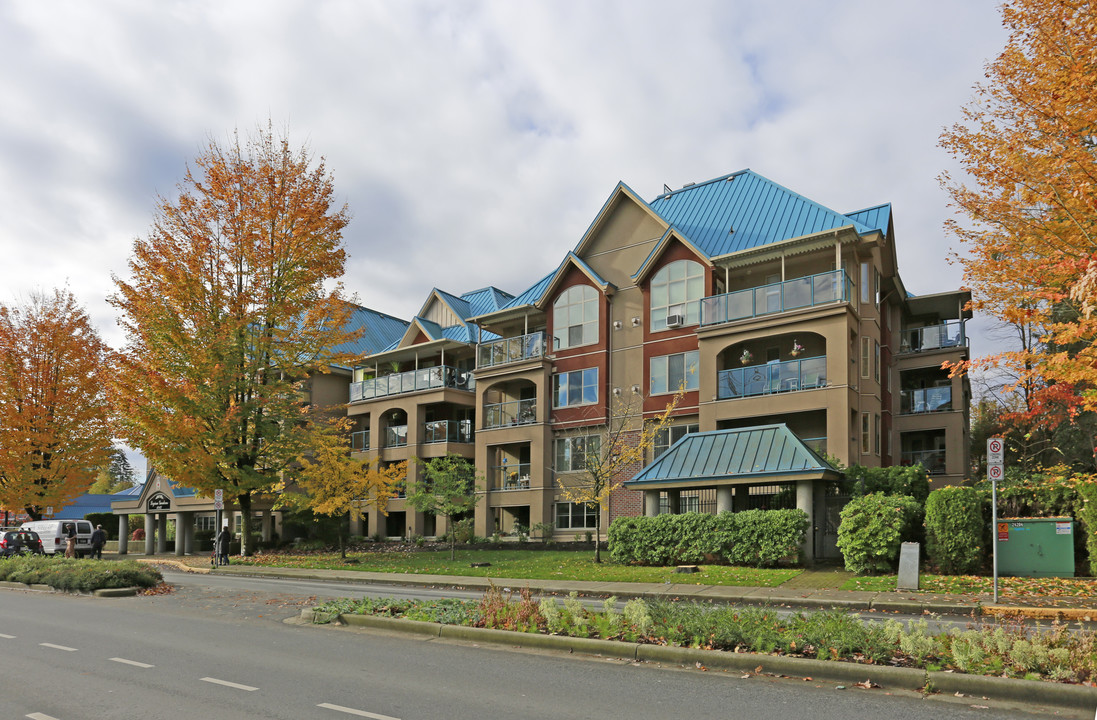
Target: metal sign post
995,470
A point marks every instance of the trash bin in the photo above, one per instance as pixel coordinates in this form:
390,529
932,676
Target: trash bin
1035,547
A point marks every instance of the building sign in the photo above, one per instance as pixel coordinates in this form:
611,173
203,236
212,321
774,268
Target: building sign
158,501
1062,528
1003,532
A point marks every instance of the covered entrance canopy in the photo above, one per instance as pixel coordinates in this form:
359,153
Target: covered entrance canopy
731,461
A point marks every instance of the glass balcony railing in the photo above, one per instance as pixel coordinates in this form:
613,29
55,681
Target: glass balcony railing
513,412
359,441
431,378
508,350
934,399
510,477
932,337
932,460
775,377
441,431
828,287
396,436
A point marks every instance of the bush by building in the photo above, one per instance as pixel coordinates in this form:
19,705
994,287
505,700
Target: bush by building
873,528
954,530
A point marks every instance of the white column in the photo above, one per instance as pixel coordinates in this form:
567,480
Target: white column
804,502
123,534
651,503
150,534
180,533
162,535
724,501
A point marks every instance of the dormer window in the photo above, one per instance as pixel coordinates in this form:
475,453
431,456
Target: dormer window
575,318
676,292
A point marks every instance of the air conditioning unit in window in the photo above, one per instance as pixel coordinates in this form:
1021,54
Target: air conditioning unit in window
675,321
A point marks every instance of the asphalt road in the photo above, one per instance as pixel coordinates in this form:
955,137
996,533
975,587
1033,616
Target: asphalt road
216,650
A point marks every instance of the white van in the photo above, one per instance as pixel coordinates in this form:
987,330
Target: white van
54,533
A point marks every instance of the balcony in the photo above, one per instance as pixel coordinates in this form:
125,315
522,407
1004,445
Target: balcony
510,477
945,335
447,431
932,460
821,289
772,378
411,381
509,350
396,436
926,400
513,412
359,441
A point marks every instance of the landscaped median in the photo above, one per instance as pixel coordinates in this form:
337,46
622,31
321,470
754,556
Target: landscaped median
107,579
1000,661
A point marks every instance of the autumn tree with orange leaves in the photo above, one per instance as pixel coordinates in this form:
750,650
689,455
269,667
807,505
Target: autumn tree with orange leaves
1028,146
226,307
54,415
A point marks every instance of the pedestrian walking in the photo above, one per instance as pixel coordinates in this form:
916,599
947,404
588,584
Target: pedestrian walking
70,540
223,539
98,540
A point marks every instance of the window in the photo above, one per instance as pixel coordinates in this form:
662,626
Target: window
876,438
870,358
575,317
866,433
579,387
670,372
866,291
669,435
573,516
876,360
572,452
677,289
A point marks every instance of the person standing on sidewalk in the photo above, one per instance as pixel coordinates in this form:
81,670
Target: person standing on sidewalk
70,540
223,539
98,540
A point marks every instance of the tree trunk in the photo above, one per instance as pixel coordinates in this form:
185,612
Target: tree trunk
452,537
598,537
246,550
342,544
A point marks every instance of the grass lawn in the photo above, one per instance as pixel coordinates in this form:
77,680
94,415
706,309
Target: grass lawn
1011,587
528,564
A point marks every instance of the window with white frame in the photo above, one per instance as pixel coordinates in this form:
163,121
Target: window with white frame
670,372
576,516
876,430
667,436
578,387
572,452
677,289
575,317
866,433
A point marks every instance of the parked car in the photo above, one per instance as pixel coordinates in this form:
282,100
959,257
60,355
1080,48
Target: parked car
54,532
20,542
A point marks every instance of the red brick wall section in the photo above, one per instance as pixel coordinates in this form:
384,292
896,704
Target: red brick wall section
622,501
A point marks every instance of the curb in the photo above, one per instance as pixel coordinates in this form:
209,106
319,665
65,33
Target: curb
1041,613
1029,692
101,592
178,565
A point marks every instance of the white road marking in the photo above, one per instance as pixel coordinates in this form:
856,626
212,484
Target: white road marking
7,637
359,713
226,683
58,647
132,662
40,716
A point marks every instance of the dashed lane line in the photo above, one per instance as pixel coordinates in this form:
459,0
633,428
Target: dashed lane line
352,711
7,637
40,716
58,647
226,683
132,662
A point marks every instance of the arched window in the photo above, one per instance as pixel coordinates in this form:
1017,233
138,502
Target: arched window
676,290
575,317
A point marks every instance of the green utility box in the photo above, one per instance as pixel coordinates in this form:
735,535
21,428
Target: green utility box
1036,547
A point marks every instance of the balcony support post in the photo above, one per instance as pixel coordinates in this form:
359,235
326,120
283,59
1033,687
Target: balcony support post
804,501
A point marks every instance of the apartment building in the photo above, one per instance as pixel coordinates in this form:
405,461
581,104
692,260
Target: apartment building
786,323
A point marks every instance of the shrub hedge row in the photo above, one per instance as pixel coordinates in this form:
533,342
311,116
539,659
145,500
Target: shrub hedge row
873,529
78,575
954,530
760,538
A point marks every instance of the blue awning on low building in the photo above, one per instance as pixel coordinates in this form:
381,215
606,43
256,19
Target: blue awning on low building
766,453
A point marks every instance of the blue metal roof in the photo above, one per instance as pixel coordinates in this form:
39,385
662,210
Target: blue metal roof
743,211
93,503
876,218
765,451
532,294
460,306
378,331
486,300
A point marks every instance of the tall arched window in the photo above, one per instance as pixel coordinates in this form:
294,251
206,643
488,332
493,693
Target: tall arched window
575,317
676,290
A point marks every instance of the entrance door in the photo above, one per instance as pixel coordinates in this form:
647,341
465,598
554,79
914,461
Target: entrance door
826,534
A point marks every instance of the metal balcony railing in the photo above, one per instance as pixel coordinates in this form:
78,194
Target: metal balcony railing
441,431
508,350
396,436
513,412
359,441
925,400
945,335
442,376
775,377
828,287
510,477
932,460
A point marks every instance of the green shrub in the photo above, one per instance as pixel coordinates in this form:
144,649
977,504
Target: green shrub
763,538
1087,518
954,530
894,480
872,529
78,575
109,521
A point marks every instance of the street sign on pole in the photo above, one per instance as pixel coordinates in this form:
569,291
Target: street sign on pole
996,451
996,456
995,472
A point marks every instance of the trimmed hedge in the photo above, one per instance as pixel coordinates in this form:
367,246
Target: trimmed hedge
894,480
955,530
874,527
759,538
78,575
1087,517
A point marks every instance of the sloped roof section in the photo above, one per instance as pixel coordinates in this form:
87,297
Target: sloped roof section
378,331
532,294
753,453
743,211
486,300
877,218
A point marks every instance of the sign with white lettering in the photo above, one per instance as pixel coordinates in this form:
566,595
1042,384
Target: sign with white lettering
996,451
158,501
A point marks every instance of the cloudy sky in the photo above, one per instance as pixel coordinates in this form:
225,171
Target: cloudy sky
472,141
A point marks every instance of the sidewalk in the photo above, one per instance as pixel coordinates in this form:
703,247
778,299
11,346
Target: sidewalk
811,589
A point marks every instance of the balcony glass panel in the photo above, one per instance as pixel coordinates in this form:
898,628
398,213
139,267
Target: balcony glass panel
510,477
802,292
396,436
359,441
508,350
775,377
934,399
441,431
513,412
442,376
932,337
932,460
